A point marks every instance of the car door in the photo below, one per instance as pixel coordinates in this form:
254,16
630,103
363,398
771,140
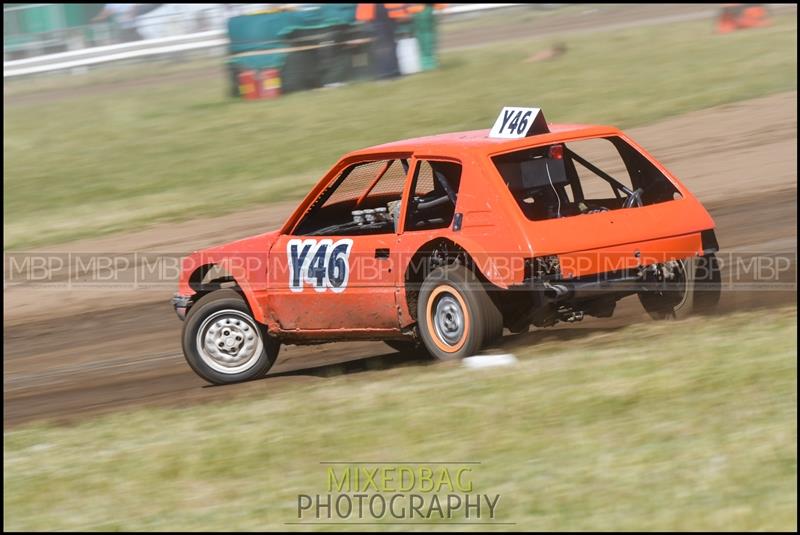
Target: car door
331,273
430,215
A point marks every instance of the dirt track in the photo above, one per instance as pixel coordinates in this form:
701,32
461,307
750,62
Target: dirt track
72,353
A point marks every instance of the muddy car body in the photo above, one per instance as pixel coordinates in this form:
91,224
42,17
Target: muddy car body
436,244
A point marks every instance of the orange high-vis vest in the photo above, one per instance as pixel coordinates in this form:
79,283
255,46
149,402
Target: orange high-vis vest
397,11
366,12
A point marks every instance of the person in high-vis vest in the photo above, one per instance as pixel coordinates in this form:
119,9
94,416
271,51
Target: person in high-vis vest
383,19
417,19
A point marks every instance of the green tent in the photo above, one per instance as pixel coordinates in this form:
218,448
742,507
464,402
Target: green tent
261,41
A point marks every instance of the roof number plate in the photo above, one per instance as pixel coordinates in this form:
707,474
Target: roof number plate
516,122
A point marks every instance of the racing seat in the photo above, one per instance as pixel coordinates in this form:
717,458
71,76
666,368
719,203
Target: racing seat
550,204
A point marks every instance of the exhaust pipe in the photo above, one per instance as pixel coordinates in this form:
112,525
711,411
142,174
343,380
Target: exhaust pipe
557,292
563,291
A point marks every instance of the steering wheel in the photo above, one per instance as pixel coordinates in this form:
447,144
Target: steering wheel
597,210
430,201
634,199
584,209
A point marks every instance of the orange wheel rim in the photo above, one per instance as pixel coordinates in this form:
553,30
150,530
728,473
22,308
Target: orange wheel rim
447,318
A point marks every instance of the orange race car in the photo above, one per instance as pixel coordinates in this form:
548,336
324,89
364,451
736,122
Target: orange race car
436,244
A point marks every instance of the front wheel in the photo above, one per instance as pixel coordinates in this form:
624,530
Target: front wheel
223,343
455,315
695,287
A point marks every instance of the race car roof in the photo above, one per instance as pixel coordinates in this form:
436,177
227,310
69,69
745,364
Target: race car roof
454,142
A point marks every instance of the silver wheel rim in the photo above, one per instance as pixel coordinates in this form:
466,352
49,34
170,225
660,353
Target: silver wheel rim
229,342
685,286
448,320
676,293
682,290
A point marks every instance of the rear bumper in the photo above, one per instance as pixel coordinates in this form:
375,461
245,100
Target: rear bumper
181,304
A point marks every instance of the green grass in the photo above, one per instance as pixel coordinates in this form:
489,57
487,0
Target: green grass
92,164
687,426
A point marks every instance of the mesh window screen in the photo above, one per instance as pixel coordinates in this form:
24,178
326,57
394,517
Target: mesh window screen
424,183
362,176
392,181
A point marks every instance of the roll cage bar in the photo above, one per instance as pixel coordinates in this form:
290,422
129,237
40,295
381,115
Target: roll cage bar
616,185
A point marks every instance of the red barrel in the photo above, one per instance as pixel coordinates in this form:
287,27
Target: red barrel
247,85
270,83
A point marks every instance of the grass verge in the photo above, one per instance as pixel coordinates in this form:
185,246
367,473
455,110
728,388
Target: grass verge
669,426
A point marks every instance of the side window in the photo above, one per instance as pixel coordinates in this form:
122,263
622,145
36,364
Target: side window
361,200
434,195
582,177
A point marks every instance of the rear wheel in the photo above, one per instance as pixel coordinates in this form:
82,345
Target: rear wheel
694,288
455,315
223,343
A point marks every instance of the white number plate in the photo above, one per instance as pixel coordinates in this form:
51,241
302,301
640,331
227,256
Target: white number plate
514,122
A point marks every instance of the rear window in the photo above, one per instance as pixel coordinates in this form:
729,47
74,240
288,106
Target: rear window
582,177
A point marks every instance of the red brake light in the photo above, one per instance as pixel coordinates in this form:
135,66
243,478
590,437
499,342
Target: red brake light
557,152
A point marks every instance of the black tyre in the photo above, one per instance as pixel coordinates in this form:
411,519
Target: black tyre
455,315
223,343
696,289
